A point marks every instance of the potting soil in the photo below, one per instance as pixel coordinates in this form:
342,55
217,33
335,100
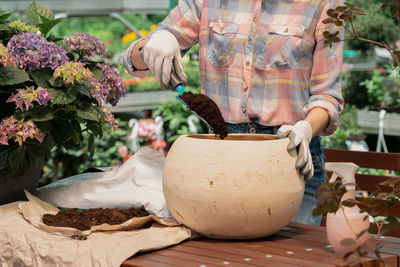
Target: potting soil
84,220
208,110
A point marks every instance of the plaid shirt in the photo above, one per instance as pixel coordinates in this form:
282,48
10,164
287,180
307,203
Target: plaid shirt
263,60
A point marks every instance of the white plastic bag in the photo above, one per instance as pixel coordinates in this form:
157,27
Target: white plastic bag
136,183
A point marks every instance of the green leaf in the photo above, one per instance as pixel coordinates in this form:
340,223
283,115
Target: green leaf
35,11
42,76
4,27
53,38
95,128
91,146
4,16
69,130
40,113
10,76
17,161
83,89
62,97
58,82
38,150
87,113
47,24
97,73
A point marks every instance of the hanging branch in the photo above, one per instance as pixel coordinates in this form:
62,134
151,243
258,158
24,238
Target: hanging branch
348,12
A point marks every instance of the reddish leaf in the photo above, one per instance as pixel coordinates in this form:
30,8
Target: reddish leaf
353,259
341,8
330,12
348,242
388,4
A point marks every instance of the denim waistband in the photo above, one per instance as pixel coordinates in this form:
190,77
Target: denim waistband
252,127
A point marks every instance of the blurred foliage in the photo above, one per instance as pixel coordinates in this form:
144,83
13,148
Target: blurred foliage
378,24
383,89
64,163
347,127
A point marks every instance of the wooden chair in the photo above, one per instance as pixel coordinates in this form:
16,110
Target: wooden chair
367,182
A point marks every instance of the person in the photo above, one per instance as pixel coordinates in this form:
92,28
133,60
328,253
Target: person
265,64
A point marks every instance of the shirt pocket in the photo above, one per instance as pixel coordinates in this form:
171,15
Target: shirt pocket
221,44
283,46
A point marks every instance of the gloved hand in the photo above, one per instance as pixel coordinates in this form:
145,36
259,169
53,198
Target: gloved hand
159,53
300,136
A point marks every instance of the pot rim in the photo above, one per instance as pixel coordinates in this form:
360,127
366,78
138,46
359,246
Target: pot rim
234,137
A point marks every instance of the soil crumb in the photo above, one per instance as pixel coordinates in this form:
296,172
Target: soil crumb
84,220
208,110
78,237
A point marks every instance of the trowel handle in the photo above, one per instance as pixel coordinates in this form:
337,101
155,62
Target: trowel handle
174,80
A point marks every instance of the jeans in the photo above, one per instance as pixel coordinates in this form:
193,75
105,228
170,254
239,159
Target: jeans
304,214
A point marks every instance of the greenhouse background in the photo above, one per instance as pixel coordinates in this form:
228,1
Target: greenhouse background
150,116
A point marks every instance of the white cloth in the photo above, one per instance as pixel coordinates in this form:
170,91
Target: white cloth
138,182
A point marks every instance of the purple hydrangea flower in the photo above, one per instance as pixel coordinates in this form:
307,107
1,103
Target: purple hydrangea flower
34,52
96,90
85,42
112,86
43,97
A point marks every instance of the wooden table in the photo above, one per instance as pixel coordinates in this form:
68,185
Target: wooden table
295,245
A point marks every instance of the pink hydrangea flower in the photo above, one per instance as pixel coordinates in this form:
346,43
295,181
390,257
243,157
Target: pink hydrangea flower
28,96
6,57
19,130
109,117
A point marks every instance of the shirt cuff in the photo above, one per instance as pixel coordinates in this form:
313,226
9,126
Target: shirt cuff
128,64
332,112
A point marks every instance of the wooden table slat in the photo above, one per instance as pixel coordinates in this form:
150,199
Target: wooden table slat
259,254
294,245
145,260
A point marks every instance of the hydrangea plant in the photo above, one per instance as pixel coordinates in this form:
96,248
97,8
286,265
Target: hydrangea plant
52,90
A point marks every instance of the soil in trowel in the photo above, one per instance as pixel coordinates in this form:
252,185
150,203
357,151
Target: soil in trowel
208,110
84,220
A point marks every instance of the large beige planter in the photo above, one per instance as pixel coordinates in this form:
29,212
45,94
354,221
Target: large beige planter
245,186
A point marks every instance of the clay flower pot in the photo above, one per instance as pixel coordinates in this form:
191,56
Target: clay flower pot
245,186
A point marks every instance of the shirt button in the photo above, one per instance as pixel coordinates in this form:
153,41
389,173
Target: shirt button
243,110
247,64
255,19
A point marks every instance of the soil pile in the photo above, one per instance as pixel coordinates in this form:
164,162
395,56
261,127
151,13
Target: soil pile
84,220
208,110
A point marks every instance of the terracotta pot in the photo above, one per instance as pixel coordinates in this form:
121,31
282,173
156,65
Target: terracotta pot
12,189
245,186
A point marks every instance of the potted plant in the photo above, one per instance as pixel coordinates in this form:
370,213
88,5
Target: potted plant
330,199
52,90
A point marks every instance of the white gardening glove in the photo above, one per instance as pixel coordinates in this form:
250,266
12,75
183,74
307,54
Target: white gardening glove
159,53
300,136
